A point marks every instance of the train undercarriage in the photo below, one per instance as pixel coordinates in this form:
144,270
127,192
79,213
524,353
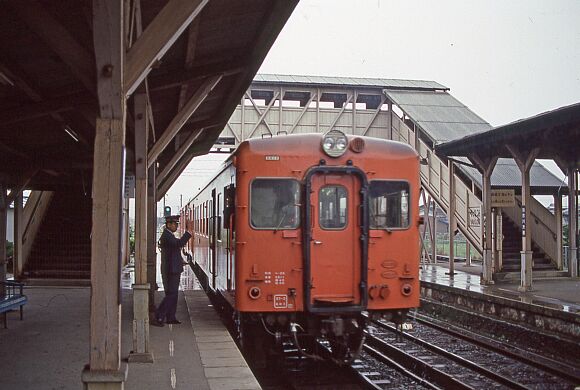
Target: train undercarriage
336,337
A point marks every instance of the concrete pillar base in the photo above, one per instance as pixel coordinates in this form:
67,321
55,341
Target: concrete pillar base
573,262
487,271
143,357
141,351
104,379
526,272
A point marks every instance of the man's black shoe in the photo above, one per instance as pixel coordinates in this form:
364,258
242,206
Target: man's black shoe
156,322
176,322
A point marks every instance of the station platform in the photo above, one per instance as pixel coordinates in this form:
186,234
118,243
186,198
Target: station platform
558,293
49,349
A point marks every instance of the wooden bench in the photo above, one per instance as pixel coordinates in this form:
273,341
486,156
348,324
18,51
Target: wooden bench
12,299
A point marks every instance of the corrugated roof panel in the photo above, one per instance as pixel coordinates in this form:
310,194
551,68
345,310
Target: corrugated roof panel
355,81
507,174
441,114
424,98
442,131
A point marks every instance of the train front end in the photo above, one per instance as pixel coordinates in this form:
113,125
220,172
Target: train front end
327,230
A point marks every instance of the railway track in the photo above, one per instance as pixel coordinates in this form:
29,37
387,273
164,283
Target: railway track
435,355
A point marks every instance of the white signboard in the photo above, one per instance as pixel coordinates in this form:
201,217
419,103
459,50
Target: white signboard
475,216
503,198
129,186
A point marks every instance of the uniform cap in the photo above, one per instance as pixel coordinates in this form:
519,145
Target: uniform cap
172,218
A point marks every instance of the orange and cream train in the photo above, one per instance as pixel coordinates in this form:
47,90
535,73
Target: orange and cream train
301,234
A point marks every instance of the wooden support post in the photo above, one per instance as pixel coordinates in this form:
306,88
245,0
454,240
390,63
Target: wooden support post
434,232
390,121
467,253
243,118
126,247
559,242
572,222
3,222
18,230
141,352
486,165
104,370
525,159
152,237
452,219
494,239
499,241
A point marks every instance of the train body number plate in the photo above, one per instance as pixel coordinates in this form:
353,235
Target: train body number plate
280,301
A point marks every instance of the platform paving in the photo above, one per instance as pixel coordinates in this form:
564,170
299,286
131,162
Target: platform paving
49,349
558,293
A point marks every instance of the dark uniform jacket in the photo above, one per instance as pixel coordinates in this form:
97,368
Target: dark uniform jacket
171,260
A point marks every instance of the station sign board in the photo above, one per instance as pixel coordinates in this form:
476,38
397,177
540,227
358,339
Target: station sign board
129,186
475,216
503,198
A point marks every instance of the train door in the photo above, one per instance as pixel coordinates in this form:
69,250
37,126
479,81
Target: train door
213,238
336,255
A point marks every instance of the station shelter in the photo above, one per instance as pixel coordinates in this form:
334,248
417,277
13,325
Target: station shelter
553,135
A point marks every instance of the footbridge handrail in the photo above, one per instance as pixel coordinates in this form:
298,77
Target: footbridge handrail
544,229
435,180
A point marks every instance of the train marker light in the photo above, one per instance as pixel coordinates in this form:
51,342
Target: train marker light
334,143
406,289
357,145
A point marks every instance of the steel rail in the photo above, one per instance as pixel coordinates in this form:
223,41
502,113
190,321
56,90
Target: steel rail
551,366
391,363
411,362
457,359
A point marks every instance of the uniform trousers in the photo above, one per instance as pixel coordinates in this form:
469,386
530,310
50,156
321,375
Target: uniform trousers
166,310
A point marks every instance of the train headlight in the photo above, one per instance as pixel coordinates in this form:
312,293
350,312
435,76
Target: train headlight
334,143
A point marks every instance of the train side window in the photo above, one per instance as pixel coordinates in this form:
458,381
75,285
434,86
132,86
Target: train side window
389,204
219,217
229,204
275,204
332,207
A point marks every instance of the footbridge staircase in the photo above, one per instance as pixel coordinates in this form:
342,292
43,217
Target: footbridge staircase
419,113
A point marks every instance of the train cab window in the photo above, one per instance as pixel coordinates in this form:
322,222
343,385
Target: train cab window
275,204
332,207
389,204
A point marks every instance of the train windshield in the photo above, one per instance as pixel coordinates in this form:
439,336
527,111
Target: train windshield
275,204
389,204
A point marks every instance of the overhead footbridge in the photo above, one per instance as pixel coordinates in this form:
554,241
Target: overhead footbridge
422,114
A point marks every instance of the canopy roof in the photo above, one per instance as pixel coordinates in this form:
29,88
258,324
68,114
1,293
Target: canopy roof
48,99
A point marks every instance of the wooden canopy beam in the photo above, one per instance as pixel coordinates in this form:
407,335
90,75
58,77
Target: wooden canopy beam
179,153
172,175
157,38
189,57
59,40
182,116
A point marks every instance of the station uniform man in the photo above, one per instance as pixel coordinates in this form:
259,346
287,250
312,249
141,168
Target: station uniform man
171,269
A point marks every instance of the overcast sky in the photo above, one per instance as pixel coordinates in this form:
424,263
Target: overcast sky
505,60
